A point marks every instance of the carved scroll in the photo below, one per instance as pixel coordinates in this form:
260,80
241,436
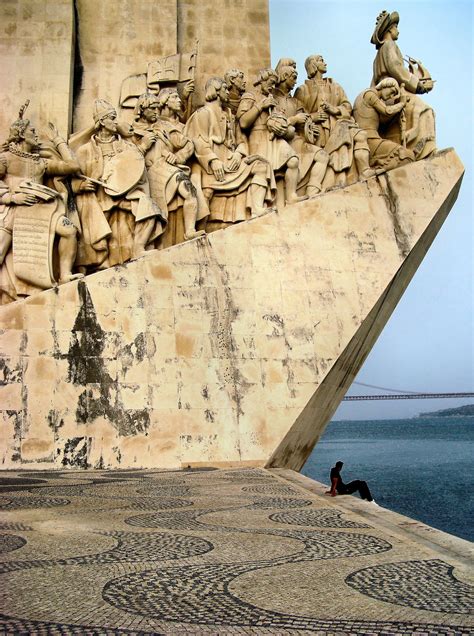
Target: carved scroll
33,238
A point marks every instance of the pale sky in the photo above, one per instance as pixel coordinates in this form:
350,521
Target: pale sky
428,343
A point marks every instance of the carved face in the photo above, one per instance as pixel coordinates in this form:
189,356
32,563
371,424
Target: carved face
30,137
109,122
174,103
394,32
321,65
291,80
224,94
268,85
239,82
150,113
387,93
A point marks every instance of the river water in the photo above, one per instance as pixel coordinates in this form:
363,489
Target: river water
422,467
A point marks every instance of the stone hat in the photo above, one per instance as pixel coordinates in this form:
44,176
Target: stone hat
384,21
102,108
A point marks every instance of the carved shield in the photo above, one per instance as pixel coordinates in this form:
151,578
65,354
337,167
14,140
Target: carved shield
123,171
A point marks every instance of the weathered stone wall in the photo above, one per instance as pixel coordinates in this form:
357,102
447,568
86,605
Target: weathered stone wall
36,50
230,349
231,35
116,40
64,54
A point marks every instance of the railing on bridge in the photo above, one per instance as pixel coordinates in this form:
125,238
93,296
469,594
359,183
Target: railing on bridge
397,394
406,396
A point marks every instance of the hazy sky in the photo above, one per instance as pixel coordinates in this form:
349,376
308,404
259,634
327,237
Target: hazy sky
428,343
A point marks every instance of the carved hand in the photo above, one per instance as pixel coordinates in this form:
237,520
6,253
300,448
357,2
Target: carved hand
52,132
188,89
235,161
217,168
148,140
277,128
268,102
329,108
299,118
88,186
171,158
320,116
21,198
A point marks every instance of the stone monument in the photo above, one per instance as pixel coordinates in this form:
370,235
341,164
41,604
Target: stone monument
196,275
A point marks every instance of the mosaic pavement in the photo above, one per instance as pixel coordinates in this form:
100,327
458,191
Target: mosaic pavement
244,551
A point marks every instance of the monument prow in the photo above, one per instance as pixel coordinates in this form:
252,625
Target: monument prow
232,349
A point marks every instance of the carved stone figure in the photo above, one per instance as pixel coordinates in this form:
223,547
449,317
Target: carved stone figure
269,132
118,217
33,214
374,110
313,159
236,84
283,63
420,133
157,117
340,136
236,184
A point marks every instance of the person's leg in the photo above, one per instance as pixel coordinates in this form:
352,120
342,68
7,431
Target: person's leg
361,487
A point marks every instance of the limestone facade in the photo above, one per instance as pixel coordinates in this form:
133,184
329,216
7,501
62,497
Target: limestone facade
37,52
231,349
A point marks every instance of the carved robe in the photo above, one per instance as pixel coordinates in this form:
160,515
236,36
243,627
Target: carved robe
337,133
420,118
16,169
371,113
276,150
109,222
308,153
165,178
215,136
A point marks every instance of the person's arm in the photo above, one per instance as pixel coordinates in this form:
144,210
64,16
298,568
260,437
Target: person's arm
333,490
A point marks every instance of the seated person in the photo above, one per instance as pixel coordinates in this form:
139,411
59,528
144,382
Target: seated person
340,488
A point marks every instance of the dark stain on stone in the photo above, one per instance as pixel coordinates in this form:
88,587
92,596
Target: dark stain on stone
134,351
205,392
55,422
118,454
279,325
209,415
76,450
10,374
100,465
391,198
23,341
86,366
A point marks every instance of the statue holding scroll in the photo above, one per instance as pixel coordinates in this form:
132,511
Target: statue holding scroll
420,135
236,184
118,217
169,177
33,215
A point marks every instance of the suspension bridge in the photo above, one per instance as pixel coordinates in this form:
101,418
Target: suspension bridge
397,394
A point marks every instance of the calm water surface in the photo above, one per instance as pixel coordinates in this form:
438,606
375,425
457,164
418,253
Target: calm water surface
421,468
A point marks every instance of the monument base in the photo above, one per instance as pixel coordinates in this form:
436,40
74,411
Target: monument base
233,349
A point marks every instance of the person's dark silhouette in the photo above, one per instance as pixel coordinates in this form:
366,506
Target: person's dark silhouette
340,488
